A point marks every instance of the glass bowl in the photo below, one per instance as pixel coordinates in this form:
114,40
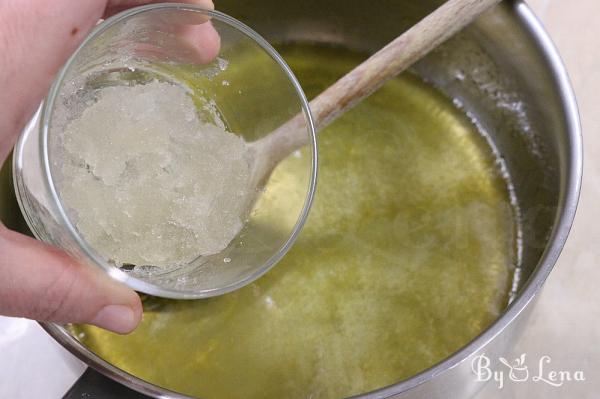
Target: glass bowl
247,87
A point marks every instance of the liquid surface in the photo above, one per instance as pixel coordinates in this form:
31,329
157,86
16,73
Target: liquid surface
406,256
148,181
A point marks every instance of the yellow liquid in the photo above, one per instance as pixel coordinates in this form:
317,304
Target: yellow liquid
407,255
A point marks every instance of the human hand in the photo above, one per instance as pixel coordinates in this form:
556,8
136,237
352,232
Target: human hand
38,281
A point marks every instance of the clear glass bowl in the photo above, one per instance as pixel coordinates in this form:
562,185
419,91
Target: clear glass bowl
248,84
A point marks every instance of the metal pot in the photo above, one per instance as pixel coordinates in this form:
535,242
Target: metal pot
503,69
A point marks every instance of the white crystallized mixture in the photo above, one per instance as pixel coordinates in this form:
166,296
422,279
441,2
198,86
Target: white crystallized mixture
148,182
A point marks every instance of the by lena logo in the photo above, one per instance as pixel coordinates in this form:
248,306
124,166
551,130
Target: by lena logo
519,371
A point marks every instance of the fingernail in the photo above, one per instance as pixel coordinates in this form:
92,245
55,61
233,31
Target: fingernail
118,318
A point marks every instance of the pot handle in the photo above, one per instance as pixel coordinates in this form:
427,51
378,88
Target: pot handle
94,385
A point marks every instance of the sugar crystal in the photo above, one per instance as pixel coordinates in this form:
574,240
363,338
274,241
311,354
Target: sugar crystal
149,183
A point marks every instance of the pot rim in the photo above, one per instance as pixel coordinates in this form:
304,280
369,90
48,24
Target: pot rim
565,215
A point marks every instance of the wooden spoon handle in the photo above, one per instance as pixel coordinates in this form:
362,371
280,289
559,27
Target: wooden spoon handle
388,62
396,57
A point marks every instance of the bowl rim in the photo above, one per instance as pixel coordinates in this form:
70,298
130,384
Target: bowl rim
564,219
64,220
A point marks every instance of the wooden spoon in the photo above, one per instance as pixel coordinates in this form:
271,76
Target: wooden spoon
363,80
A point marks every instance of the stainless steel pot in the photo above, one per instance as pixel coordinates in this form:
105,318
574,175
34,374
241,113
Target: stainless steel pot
505,71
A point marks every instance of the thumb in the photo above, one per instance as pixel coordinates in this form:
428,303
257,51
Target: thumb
43,283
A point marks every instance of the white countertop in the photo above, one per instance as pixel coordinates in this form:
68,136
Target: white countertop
564,324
